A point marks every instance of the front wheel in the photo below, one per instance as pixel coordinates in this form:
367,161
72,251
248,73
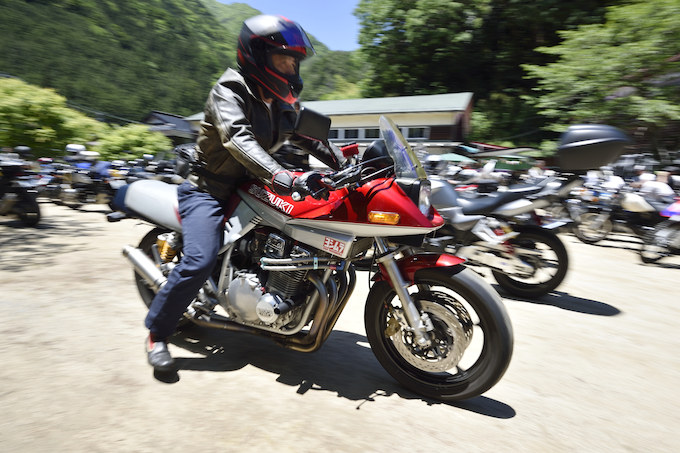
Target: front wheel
471,337
29,212
545,255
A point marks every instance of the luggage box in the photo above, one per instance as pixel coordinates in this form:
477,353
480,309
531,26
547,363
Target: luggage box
590,146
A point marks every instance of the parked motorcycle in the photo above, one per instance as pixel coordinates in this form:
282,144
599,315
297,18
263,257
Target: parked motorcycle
664,238
610,211
502,230
18,196
286,270
526,259
76,185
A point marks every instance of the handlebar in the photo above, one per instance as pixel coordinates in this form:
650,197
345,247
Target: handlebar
350,176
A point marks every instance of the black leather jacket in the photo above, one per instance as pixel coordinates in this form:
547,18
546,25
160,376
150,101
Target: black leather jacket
239,134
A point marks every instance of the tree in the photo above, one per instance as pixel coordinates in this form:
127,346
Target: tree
619,72
435,46
131,141
39,118
418,46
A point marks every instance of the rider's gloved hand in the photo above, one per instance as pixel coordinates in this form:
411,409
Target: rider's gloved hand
282,182
309,183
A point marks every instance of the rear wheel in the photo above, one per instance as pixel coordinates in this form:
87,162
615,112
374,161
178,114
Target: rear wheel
471,339
592,227
547,257
656,243
146,245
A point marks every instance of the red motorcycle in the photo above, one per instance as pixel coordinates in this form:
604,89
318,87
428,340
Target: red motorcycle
286,270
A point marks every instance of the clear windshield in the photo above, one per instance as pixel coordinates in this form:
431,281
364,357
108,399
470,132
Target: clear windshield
406,164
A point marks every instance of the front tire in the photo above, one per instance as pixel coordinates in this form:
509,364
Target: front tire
548,257
29,212
472,339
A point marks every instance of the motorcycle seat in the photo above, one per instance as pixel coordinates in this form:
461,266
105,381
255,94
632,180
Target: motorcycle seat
487,204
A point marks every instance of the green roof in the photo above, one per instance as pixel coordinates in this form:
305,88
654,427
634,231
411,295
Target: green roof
449,102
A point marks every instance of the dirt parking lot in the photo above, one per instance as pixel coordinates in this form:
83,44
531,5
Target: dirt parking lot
596,365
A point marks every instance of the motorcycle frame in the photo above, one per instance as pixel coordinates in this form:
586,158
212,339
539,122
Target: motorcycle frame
313,223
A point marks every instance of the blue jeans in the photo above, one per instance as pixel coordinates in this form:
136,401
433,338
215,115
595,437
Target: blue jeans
202,233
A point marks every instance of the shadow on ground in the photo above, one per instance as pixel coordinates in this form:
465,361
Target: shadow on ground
42,244
566,301
345,365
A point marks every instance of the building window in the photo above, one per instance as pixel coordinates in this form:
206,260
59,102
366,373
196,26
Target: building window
351,133
333,133
417,132
372,133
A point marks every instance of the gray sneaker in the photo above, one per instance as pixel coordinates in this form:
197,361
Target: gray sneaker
158,355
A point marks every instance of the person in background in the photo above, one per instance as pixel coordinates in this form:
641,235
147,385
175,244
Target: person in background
249,114
674,178
654,190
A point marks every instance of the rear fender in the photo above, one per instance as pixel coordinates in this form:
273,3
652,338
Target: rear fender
409,265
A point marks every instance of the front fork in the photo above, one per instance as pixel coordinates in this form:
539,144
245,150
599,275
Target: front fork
419,324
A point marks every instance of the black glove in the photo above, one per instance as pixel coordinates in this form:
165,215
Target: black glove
311,183
282,182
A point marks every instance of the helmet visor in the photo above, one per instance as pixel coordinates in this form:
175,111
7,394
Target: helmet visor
294,39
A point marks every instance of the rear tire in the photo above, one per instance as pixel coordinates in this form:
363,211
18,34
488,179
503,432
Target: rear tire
651,251
550,267
146,292
591,229
472,340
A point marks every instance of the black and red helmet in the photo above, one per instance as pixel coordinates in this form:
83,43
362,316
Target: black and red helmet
261,36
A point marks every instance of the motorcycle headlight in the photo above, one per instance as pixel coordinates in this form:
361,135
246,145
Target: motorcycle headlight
424,197
418,190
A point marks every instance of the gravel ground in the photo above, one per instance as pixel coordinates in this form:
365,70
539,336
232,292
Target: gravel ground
595,368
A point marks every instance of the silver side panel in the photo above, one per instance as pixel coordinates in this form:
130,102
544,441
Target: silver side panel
315,235
241,221
333,242
363,230
514,208
156,201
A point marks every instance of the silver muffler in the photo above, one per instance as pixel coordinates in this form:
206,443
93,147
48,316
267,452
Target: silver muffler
145,267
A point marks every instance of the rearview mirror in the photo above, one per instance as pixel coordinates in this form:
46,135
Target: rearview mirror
313,125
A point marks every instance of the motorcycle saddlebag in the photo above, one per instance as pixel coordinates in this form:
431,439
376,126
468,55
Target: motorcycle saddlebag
590,146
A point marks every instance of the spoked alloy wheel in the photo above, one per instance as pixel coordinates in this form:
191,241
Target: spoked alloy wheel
592,227
545,253
655,247
471,341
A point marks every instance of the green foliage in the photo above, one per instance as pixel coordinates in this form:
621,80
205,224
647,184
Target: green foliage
332,75
130,142
122,57
614,72
39,118
436,46
417,47
128,58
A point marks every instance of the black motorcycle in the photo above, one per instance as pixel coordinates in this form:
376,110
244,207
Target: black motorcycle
18,196
74,185
664,239
624,211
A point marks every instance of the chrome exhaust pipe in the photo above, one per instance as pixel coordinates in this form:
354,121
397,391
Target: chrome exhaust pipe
145,267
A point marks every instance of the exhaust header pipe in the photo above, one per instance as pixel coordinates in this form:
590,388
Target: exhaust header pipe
145,267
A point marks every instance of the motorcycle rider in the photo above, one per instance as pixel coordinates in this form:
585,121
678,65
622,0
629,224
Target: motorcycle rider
249,114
